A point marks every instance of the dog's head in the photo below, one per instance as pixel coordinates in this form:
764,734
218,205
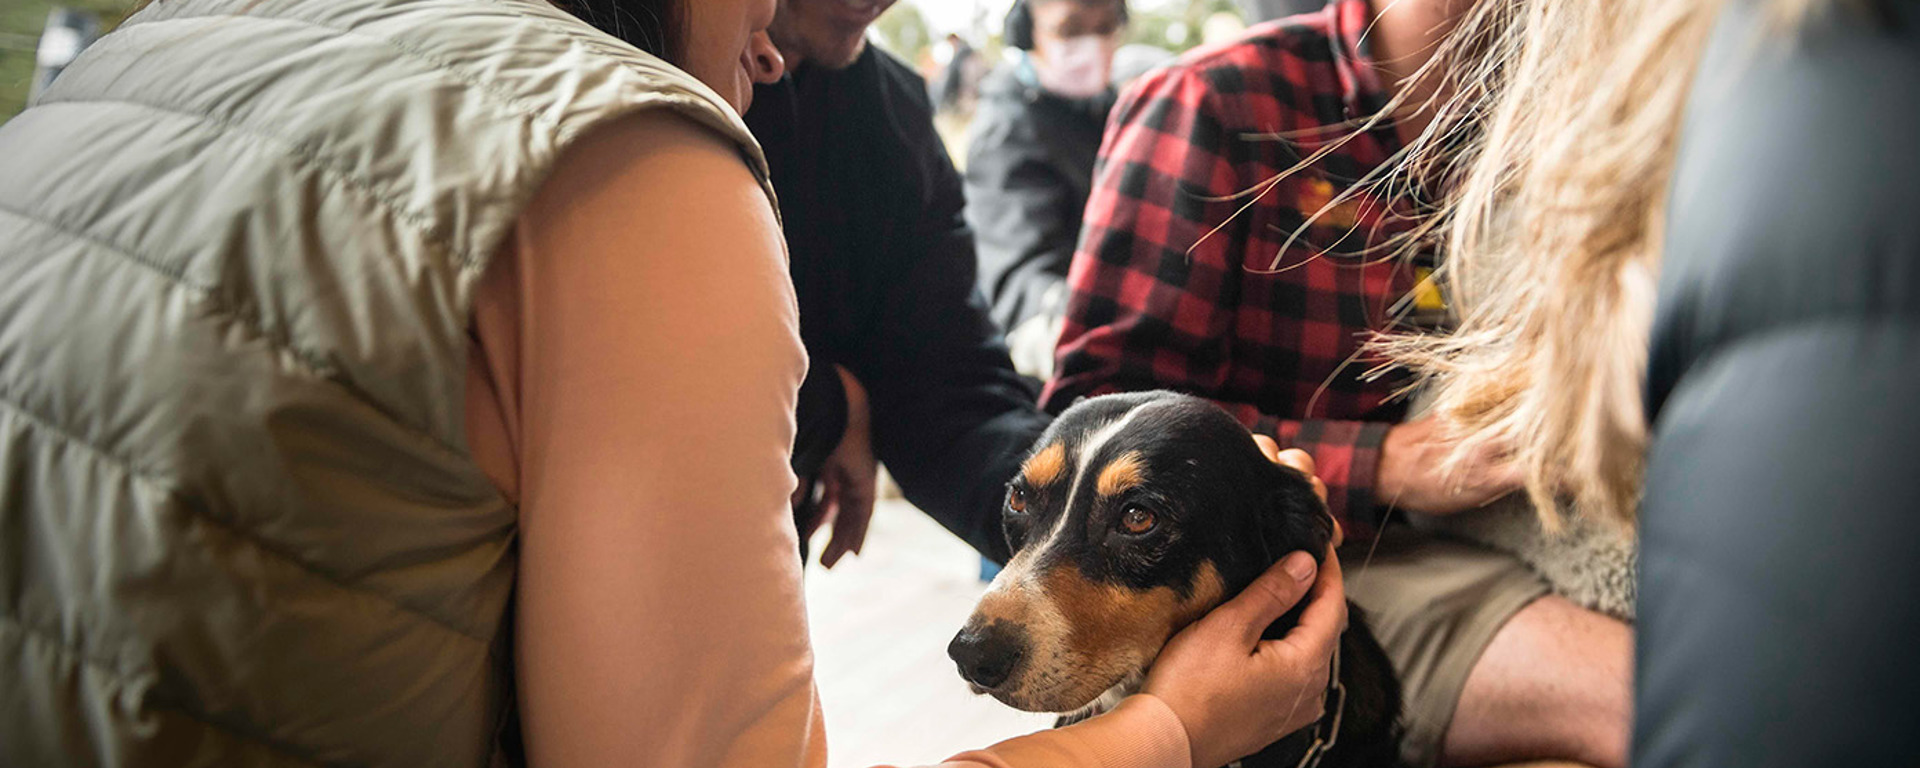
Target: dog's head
1133,516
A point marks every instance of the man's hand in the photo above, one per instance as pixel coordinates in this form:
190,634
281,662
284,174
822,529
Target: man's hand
1301,462
1411,479
1235,693
848,479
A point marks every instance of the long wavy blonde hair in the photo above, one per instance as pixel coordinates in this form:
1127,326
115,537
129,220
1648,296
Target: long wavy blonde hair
1563,116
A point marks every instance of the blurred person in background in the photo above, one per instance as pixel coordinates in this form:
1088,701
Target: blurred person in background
908,369
957,68
1245,236
1030,160
1683,240
333,331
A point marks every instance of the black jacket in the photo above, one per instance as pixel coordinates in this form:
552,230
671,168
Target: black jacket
884,268
1029,170
1780,585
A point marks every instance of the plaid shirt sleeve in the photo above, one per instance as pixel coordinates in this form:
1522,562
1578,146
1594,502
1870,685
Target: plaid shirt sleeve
1147,313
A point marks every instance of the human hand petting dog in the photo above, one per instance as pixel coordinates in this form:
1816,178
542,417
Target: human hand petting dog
848,479
1301,462
1235,693
1411,476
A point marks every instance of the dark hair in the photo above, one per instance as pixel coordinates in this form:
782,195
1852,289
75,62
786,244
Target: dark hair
1018,31
655,26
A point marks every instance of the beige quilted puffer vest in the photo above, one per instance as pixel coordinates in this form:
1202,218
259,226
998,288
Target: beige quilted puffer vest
239,240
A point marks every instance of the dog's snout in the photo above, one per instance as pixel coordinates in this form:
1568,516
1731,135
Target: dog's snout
987,655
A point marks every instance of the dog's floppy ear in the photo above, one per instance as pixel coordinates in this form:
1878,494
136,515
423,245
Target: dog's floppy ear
1293,517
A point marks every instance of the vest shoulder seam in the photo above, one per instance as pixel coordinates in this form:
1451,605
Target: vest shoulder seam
676,95
510,102
305,154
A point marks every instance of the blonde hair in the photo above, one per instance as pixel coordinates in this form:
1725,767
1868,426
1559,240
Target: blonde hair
1566,114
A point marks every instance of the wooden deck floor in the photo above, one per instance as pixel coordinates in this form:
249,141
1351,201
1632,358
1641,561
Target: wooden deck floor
880,624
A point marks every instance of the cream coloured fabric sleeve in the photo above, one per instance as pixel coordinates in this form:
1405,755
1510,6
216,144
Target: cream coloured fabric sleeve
659,619
635,363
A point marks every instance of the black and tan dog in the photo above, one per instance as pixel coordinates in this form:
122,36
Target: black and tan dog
1133,516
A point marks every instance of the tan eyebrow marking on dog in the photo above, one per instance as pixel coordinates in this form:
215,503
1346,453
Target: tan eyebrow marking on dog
1045,467
1122,473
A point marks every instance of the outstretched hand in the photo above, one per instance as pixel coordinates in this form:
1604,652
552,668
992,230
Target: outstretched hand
848,480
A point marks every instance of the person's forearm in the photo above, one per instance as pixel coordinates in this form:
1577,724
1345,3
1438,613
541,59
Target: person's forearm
1140,733
951,417
960,480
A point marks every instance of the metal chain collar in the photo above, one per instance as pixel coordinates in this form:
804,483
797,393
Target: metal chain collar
1326,731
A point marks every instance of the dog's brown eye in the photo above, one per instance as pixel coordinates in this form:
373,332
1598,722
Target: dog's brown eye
1137,521
1016,500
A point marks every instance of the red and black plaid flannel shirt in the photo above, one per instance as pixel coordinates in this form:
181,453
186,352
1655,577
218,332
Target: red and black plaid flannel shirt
1156,303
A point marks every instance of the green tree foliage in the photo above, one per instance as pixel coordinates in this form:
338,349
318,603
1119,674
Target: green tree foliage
21,22
903,32
1174,26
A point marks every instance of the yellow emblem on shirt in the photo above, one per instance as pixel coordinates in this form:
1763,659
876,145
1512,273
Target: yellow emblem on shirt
1426,291
1314,198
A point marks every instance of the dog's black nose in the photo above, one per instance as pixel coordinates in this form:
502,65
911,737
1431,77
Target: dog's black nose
987,655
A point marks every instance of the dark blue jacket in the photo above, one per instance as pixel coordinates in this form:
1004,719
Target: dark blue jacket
1780,590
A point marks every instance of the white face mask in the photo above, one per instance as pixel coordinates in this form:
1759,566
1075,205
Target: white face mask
1077,67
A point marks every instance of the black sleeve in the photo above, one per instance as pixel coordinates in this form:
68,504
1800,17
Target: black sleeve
951,418
1024,214
1780,555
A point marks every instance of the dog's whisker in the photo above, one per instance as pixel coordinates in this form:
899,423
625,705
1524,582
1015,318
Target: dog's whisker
1372,547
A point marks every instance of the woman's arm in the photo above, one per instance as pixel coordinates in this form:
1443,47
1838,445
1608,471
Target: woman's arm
660,620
